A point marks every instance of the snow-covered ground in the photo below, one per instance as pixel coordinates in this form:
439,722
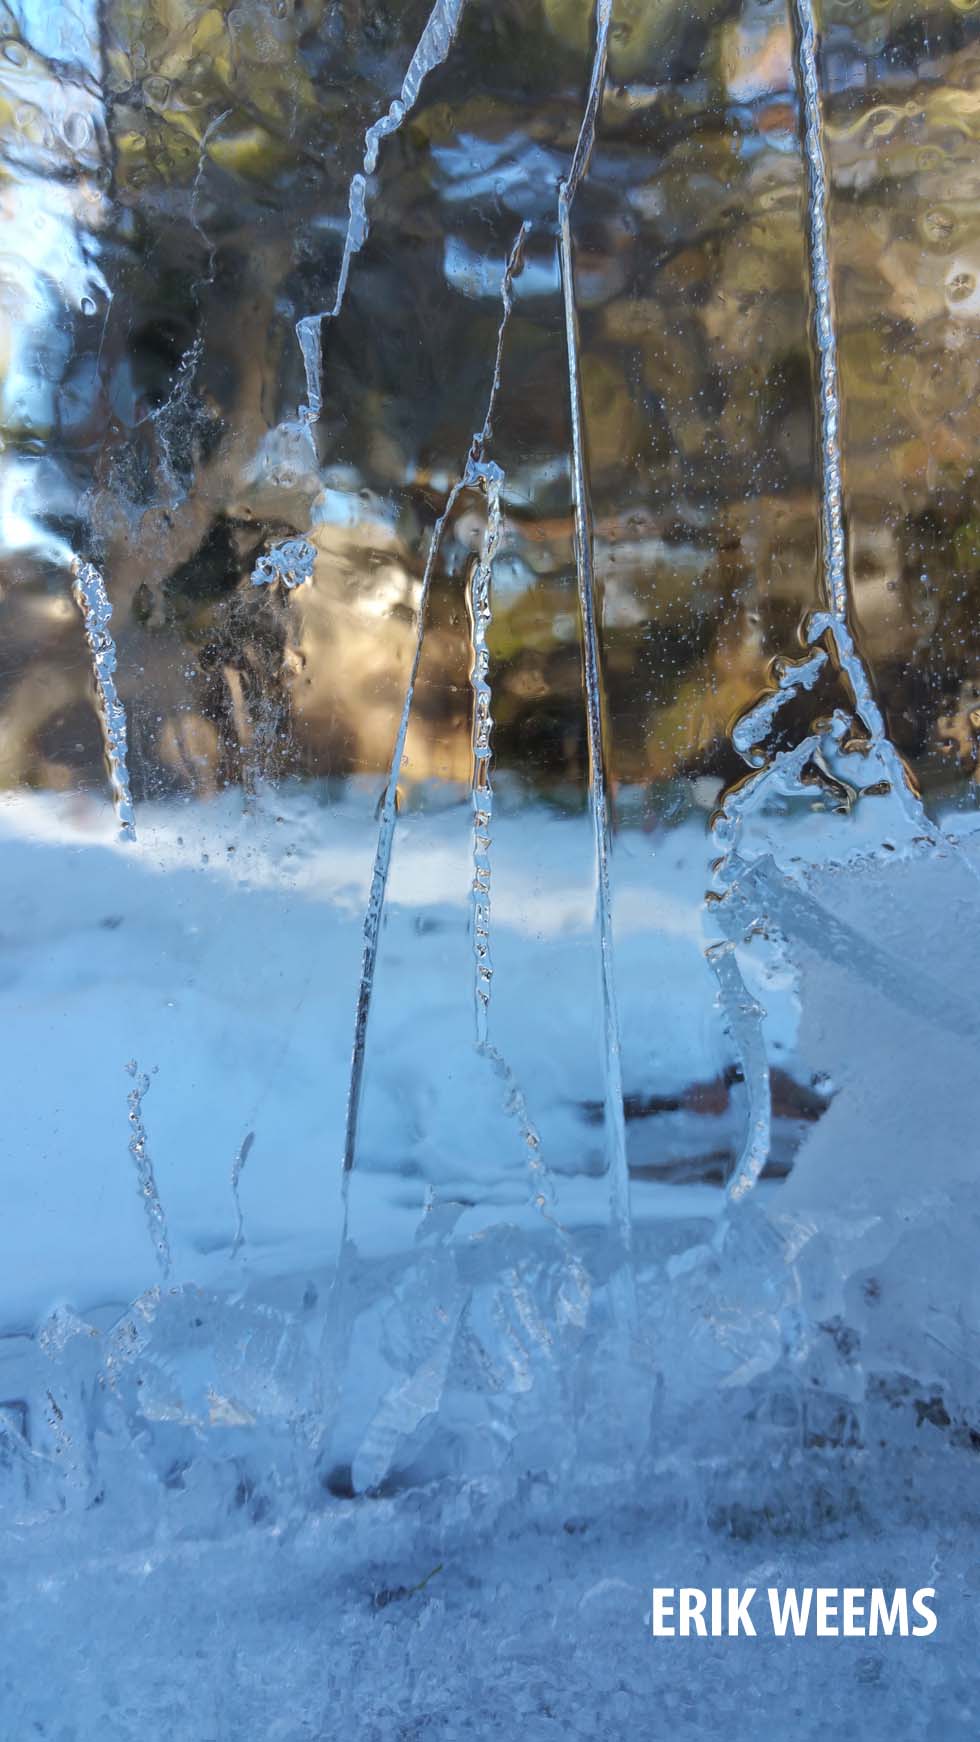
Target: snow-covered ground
222,955
539,1631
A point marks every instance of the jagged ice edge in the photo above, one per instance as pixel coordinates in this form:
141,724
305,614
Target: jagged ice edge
432,49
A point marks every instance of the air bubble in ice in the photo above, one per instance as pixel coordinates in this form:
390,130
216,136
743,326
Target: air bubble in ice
77,130
157,90
939,225
960,287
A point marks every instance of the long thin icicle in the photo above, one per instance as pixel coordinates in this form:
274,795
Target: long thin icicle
480,606
836,618
471,476
586,134
479,602
92,600
832,490
432,49
613,1077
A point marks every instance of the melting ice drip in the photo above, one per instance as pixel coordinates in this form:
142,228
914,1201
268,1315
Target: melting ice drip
92,599
618,1171
433,46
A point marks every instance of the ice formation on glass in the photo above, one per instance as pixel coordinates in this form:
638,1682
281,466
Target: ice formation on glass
139,1150
479,602
433,46
480,607
780,773
237,1167
650,1241
594,705
836,620
468,478
290,562
93,601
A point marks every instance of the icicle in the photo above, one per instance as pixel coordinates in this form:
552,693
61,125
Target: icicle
613,1082
515,261
386,831
481,615
586,136
155,1219
382,856
480,607
825,333
432,49
732,877
92,599
836,619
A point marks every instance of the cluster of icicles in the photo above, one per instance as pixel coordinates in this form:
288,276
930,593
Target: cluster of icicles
479,472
